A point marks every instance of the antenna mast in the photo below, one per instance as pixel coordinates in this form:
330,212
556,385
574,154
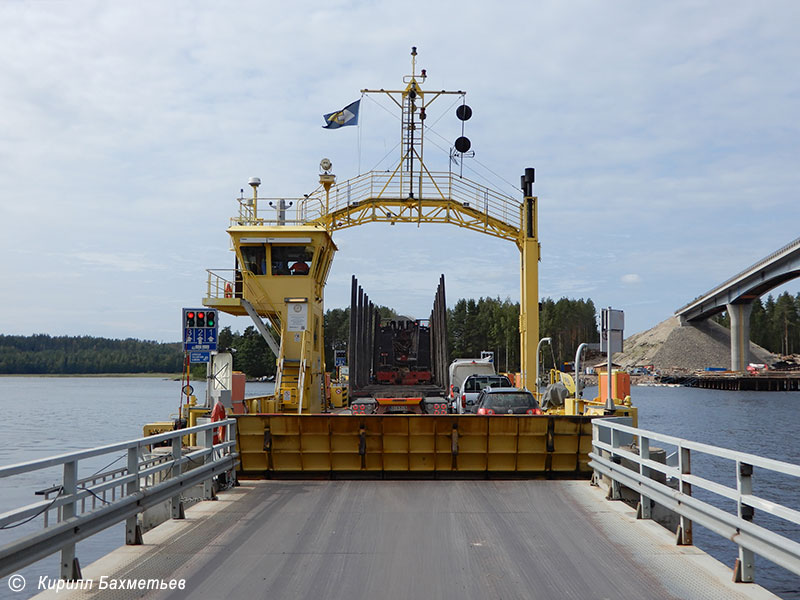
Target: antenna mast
413,103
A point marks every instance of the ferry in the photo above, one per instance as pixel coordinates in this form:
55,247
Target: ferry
413,500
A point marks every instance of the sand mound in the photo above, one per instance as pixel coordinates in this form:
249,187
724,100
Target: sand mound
670,346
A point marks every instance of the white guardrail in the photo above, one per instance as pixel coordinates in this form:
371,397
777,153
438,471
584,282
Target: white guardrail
144,483
614,437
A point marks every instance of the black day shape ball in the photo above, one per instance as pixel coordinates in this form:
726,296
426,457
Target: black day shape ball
463,144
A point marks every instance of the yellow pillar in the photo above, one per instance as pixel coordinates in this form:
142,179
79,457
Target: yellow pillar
529,289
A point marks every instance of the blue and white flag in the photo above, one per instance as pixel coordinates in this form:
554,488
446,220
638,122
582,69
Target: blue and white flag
341,118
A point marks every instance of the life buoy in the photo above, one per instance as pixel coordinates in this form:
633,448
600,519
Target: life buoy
218,414
228,290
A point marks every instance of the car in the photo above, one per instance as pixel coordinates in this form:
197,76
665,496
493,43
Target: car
459,370
507,400
475,384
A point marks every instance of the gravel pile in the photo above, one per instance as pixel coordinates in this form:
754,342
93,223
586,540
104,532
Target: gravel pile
671,347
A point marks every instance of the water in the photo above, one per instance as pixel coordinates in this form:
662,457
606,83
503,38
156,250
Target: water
46,416
761,423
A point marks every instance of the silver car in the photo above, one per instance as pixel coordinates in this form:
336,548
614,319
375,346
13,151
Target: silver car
475,384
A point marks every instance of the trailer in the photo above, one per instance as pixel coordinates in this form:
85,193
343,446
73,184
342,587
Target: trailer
397,361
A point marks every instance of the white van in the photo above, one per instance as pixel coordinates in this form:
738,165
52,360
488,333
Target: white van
459,370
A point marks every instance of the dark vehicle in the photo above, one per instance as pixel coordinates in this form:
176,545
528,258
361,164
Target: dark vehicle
402,354
475,384
396,365
507,401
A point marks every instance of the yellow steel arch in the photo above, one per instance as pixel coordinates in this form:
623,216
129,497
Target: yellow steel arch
446,198
378,197
408,194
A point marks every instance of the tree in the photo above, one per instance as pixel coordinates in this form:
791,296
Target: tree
43,354
252,355
336,324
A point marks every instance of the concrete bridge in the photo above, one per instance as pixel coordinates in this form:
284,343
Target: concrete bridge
736,296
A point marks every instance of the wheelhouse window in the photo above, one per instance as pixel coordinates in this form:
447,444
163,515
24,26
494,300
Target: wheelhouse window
291,260
254,259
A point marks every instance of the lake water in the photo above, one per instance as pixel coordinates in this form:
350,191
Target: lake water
46,416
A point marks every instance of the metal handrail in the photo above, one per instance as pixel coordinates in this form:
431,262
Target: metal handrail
220,284
145,482
384,186
750,538
438,186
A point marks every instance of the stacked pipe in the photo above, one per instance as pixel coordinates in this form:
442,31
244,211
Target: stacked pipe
363,318
364,326
439,353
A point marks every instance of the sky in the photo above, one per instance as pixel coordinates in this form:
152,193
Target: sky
665,138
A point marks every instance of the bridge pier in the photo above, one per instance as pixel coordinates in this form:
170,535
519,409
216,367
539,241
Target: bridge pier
739,314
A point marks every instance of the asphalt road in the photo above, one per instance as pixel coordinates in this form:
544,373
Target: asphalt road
406,539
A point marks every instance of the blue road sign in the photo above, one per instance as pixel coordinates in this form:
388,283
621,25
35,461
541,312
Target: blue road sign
197,335
199,357
339,358
199,347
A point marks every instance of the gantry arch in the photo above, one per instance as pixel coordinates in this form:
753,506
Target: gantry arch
408,193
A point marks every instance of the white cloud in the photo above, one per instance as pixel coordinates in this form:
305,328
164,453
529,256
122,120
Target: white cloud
631,278
130,129
127,263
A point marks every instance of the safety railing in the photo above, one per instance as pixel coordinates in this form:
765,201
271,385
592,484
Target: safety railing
222,283
114,475
611,441
382,185
122,494
478,200
268,211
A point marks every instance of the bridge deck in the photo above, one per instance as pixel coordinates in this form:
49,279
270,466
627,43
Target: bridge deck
756,280
418,539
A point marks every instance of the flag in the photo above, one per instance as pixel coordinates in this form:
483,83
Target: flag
341,118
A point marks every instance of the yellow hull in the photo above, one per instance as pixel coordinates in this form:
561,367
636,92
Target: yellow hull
413,445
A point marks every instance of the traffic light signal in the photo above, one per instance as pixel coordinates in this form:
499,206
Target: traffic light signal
194,318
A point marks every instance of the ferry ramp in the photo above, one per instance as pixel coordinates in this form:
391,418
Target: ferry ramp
483,539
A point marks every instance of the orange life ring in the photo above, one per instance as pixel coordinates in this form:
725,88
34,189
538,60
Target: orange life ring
218,414
228,290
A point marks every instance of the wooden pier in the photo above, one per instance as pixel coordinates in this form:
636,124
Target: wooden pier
761,382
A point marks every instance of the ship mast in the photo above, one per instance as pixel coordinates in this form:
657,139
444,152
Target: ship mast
413,103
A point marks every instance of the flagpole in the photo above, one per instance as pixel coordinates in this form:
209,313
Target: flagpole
360,117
